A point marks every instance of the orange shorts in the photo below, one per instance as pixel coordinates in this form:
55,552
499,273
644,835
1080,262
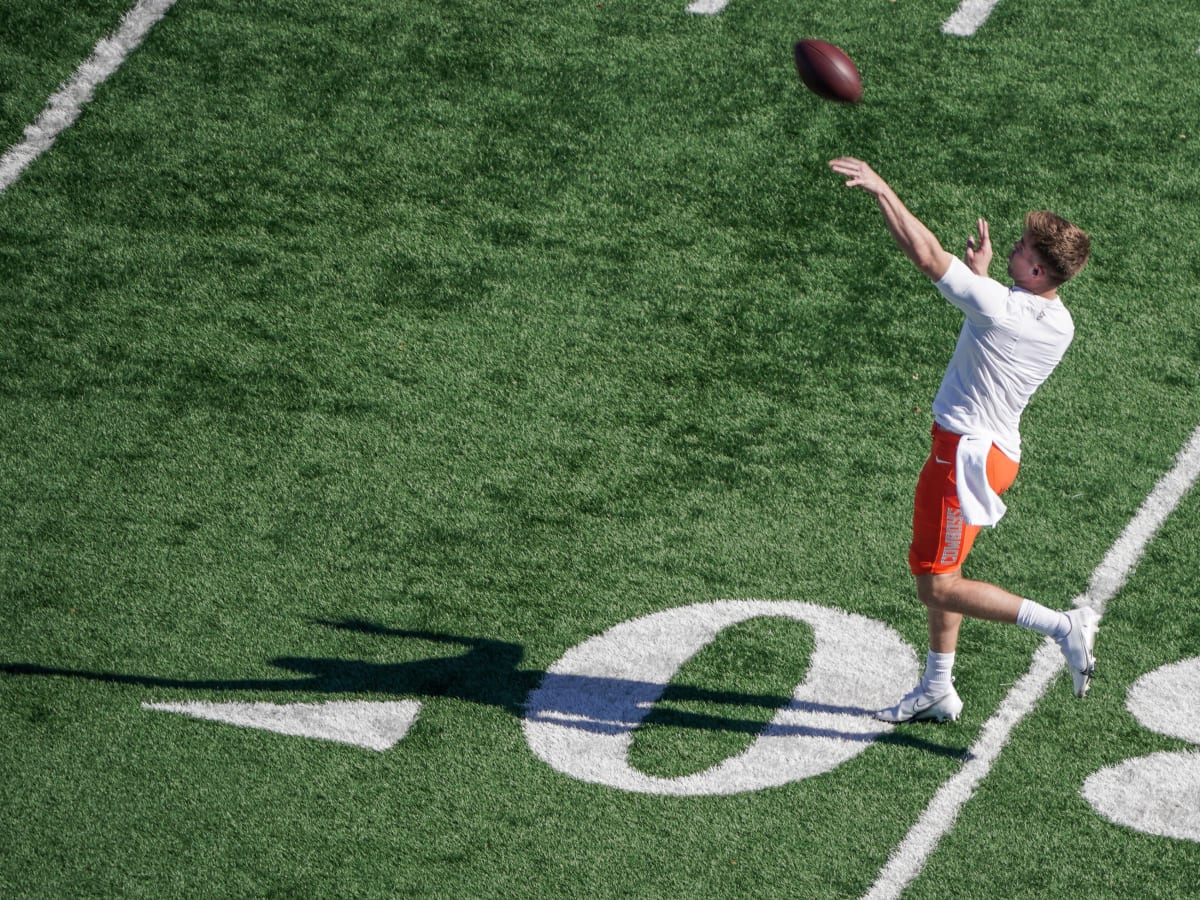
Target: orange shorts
941,539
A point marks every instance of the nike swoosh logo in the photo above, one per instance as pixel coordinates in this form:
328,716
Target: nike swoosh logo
898,713
919,708
940,461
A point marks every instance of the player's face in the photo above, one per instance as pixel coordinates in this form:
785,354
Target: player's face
1024,262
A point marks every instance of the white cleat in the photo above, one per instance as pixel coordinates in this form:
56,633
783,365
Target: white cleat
1077,647
918,706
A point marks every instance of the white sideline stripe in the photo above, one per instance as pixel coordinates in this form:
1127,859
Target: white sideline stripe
909,857
969,16
63,107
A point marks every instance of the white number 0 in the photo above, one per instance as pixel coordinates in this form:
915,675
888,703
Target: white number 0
582,718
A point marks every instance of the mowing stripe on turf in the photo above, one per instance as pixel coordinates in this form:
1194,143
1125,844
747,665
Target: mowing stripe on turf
909,857
62,109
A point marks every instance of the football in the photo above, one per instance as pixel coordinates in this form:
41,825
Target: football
827,71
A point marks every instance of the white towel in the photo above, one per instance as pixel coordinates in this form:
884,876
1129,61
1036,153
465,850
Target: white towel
979,503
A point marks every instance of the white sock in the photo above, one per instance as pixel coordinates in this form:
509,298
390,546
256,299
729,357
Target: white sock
938,667
1049,622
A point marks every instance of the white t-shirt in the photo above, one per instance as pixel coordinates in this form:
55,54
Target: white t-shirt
1009,344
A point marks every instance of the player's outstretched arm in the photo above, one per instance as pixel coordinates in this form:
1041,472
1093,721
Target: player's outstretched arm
909,232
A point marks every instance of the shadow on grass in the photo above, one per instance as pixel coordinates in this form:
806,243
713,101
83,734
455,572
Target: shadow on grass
489,674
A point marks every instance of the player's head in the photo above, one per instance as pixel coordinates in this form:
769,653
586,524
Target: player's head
1061,247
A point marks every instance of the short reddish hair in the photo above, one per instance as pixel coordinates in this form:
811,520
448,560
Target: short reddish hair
1064,247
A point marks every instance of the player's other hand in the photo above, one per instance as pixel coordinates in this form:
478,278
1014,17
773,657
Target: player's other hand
979,250
858,174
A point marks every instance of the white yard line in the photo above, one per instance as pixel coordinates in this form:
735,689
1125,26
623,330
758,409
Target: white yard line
707,7
970,15
909,857
62,109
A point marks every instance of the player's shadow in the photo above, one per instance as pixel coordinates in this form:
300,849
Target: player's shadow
489,673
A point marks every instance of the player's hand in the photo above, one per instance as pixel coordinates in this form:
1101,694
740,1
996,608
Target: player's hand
858,173
979,250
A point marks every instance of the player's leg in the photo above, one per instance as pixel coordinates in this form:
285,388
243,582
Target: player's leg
949,592
937,536
949,596
939,661
943,630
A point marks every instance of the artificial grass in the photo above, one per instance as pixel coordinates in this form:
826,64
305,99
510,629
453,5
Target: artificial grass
489,328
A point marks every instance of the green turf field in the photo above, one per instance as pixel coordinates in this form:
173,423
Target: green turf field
400,351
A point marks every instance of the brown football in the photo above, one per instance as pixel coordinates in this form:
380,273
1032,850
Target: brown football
827,71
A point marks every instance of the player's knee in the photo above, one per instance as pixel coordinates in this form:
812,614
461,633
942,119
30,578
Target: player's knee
937,591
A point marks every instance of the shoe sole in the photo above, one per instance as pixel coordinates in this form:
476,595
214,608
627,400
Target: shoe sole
932,714
1082,680
939,717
